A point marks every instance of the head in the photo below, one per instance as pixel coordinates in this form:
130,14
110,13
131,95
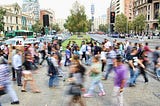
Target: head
95,59
18,52
118,60
134,50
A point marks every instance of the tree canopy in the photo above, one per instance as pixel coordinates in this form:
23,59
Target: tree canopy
55,27
103,28
37,27
77,21
2,13
121,23
139,23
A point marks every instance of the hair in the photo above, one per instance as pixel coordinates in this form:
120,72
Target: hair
96,58
119,58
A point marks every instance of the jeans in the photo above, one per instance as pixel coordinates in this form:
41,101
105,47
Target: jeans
88,59
94,84
109,69
133,76
11,91
158,73
53,81
43,56
67,60
117,97
19,76
13,73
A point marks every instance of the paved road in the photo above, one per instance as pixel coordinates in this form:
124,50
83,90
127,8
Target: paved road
152,42
141,95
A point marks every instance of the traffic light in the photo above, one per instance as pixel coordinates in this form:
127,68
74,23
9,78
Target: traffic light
112,17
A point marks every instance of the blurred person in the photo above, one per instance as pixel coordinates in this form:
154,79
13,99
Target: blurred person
88,54
43,49
146,48
95,73
111,55
103,58
53,71
83,51
5,79
13,70
156,55
67,56
133,62
119,81
107,44
17,64
28,77
76,84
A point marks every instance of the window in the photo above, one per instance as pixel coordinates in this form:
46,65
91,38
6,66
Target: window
11,19
16,20
156,10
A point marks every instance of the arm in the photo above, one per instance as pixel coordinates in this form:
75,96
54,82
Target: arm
131,64
141,64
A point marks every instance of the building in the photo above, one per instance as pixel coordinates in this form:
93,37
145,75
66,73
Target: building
150,9
31,7
15,19
61,22
48,12
98,21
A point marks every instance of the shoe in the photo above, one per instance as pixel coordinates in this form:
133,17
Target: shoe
132,85
19,84
87,96
37,91
23,90
104,79
15,102
146,83
14,79
102,94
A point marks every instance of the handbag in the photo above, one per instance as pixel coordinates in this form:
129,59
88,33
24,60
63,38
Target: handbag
75,90
2,90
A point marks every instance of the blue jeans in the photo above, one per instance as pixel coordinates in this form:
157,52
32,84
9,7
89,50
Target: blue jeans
109,69
53,81
88,59
133,76
94,84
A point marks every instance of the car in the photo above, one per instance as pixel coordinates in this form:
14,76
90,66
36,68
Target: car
14,41
31,41
122,36
115,35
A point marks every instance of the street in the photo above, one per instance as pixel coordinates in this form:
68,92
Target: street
141,95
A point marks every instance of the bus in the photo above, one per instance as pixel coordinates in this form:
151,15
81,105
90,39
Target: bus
18,33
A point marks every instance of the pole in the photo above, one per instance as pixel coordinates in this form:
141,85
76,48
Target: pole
110,18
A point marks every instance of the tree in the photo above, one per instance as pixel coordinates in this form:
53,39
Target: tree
77,21
139,23
103,28
2,13
37,27
121,23
55,27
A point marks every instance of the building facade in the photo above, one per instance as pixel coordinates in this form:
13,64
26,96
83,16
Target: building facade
150,9
31,7
98,21
15,19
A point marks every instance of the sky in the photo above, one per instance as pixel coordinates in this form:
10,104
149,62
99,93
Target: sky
62,7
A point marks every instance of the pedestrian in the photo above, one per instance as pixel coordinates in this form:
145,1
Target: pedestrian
133,66
103,58
13,70
17,64
67,56
119,81
111,55
27,74
53,71
95,73
5,79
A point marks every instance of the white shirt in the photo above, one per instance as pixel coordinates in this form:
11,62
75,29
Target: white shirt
83,48
103,55
17,61
107,44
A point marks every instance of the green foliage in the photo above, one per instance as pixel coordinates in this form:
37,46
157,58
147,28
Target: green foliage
37,27
2,13
77,21
121,23
55,27
139,23
103,28
159,22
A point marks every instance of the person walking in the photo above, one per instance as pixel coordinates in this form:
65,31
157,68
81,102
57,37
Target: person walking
17,64
119,81
95,73
5,79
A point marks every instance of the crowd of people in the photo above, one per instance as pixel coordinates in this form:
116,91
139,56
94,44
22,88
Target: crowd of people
101,58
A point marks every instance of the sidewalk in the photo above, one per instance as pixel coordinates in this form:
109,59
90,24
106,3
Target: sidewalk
141,95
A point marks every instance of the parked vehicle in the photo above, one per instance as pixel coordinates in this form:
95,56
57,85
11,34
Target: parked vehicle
31,41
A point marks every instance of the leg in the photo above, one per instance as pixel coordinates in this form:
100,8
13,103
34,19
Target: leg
143,72
19,75
13,74
11,92
34,87
115,94
24,85
51,81
110,66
